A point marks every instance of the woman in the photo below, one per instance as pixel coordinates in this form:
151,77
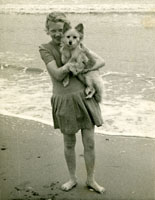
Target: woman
71,110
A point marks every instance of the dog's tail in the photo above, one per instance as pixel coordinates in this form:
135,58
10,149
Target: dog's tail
98,97
99,90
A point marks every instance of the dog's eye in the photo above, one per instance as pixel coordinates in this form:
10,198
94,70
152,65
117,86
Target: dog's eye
74,37
68,36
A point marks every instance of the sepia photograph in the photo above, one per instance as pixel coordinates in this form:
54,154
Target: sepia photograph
77,100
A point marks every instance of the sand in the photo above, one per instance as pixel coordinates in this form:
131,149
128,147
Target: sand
33,166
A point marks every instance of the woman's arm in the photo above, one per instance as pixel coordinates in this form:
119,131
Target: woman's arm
58,73
97,61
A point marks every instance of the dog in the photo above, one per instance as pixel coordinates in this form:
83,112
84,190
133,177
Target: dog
72,51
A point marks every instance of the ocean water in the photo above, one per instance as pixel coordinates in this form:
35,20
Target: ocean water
74,6
74,2
126,42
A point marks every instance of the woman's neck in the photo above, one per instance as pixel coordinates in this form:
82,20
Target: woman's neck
56,44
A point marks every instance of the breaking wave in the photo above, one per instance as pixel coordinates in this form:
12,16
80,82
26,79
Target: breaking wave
77,8
126,111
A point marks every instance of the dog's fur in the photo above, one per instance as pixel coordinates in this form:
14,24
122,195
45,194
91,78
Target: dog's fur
71,51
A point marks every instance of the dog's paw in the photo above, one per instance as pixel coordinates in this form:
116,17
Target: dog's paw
66,81
89,92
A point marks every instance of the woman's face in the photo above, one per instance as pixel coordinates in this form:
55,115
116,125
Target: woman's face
55,31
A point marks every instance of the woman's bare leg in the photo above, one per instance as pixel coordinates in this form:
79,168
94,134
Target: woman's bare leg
89,156
69,152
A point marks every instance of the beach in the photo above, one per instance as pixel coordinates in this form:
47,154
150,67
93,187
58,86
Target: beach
125,41
33,165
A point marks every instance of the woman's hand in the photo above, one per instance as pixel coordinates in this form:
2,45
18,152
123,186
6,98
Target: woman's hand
95,62
85,71
68,66
75,68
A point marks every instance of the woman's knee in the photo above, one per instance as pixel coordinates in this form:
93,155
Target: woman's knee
88,140
69,142
89,145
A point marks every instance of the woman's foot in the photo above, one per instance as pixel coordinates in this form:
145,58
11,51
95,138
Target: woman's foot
69,185
95,186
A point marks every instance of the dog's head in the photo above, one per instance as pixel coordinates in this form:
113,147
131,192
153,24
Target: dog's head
72,36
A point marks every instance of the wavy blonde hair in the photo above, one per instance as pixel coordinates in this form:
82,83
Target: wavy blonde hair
55,17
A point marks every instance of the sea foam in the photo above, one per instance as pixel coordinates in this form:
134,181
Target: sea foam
27,94
78,8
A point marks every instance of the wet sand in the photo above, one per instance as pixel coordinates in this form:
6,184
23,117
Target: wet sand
33,166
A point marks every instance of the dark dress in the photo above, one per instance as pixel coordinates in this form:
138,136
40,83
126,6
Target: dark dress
71,110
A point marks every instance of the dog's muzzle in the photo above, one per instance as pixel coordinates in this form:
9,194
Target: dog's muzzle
70,42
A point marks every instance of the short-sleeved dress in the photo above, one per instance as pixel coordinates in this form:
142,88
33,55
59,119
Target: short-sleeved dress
70,109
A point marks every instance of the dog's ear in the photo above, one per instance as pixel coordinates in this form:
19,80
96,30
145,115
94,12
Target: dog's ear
66,27
80,28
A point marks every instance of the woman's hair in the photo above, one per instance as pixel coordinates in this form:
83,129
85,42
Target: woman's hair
55,17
